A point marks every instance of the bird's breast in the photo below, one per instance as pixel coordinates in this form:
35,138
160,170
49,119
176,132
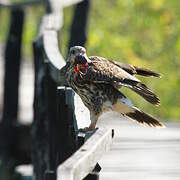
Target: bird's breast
96,97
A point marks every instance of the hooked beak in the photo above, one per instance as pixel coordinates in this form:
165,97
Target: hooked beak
80,59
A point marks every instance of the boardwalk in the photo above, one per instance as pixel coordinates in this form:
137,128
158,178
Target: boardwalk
140,153
137,153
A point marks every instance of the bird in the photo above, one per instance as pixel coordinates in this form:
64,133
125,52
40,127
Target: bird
98,81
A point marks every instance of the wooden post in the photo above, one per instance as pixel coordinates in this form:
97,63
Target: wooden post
66,124
82,138
53,130
45,104
12,66
8,130
78,33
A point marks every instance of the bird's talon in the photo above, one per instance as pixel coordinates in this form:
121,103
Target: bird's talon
86,129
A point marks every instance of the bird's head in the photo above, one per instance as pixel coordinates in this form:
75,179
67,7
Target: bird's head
78,60
74,52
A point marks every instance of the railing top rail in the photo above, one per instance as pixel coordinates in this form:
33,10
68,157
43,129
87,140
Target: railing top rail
82,162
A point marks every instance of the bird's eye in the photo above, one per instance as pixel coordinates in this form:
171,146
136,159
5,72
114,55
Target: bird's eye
73,52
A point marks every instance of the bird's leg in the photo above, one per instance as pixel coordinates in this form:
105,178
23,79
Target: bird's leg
92,126
94,119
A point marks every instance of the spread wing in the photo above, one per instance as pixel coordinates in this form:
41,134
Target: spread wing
102,70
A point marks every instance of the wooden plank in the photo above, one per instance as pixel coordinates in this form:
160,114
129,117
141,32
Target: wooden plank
52,48
52,21
141,153
83,161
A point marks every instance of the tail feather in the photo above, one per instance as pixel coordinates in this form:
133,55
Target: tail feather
142,90
146,93
146,72
144,118
125,107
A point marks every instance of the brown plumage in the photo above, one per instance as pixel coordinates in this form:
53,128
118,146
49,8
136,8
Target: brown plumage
119,75
98,81
133,70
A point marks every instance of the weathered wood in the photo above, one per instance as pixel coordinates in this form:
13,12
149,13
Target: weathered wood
83,161
45,111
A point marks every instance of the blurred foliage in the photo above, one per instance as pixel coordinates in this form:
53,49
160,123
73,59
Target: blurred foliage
140,32
32,20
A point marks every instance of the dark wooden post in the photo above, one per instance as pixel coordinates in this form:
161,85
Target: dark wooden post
78,33
45,105
54,127
12,66
8,130
66,124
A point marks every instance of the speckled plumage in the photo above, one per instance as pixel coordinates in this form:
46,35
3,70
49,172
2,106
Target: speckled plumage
99,86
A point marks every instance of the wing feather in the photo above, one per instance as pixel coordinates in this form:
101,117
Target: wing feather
108,68
130,68
136,70
102,70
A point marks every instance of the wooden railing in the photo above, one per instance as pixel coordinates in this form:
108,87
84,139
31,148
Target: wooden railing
55,136
82,162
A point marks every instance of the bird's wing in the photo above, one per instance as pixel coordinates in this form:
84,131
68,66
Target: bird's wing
126,107
131,69
107,71
136,70
103,71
